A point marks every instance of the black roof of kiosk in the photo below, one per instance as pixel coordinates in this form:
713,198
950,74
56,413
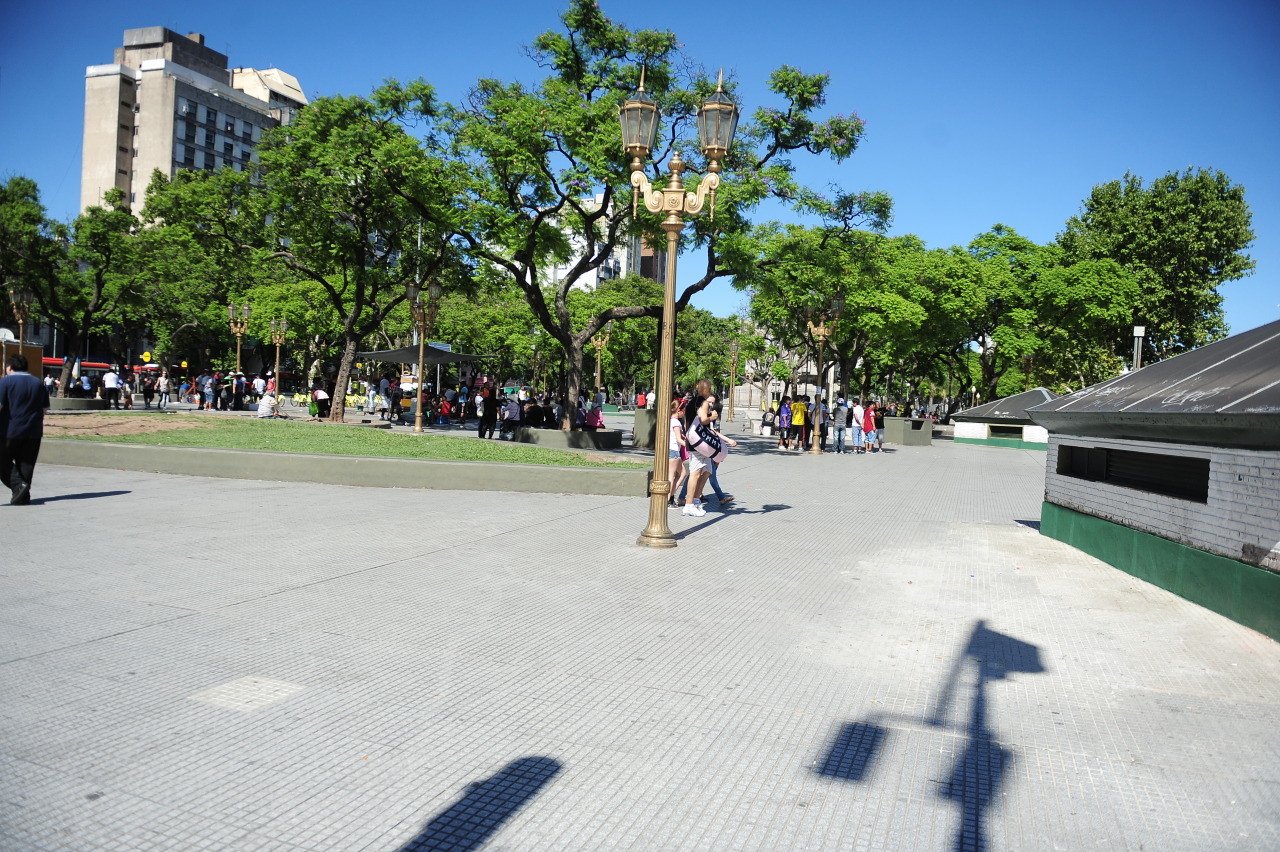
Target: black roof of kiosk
1226,394
409,355
1011,409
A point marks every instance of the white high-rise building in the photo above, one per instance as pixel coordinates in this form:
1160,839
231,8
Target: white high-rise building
168,102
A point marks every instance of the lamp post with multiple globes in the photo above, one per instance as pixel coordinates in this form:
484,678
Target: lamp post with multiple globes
238,319
279,328
424,320
601,340
821,331
733,377
717,121
20,297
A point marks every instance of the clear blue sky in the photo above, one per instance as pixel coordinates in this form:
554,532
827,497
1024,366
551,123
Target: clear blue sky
977,113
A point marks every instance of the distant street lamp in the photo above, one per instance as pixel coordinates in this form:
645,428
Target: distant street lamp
733,377
1139,332
601,340
821,331
717,121
239,324
424,320
279,328
21,297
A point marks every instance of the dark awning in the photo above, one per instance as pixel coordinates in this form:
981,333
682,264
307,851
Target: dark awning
1011,409
409,355
1224,394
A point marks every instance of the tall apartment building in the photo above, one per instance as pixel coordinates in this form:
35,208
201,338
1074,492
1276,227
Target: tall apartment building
168,102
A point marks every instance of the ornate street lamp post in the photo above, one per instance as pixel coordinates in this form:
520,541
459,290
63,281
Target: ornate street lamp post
239,324
601,340
21,297
279,328
821,331
424,320
733,377
717,121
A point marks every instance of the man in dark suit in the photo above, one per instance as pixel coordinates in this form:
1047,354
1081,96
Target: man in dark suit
24,400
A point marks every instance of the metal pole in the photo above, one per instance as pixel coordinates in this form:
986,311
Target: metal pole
815,441
658,533
420,321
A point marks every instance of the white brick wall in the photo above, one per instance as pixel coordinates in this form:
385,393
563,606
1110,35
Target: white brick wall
982,431
1241,519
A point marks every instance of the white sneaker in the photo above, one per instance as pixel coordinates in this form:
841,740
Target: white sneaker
698,509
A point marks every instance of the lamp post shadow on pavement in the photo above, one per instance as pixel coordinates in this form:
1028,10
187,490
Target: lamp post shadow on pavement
980,767
486,806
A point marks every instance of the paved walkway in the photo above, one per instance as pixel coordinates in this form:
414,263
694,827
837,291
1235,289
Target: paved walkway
872,653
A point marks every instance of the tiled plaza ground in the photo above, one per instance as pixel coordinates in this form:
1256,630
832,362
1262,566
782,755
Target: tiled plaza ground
873,653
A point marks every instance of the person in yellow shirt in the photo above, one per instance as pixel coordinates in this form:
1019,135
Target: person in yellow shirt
799,421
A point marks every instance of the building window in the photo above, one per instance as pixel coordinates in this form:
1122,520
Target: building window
211,116
1181,477
126,127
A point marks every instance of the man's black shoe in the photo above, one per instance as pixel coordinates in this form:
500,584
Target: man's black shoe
21,493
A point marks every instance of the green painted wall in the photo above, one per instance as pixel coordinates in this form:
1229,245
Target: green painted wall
1241,592
1014,443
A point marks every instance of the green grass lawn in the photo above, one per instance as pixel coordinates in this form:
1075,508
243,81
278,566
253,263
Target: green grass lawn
280,436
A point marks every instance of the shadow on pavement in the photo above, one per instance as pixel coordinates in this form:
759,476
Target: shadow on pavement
87,495
1035,525
979,769
472,820
717,517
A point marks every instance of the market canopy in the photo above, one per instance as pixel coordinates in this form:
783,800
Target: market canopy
431,356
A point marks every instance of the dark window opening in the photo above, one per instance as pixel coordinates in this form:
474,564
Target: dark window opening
1182,477
1005,431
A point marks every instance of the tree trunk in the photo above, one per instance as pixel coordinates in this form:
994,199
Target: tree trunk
573,356
73,343
338,405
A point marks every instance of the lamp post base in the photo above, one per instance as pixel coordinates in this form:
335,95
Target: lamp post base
658,532
656,540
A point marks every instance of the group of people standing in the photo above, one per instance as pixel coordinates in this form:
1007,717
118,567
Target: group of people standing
800,421
866,425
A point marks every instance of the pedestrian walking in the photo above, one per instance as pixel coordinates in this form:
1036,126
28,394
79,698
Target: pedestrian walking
164,385
869,425
111,388
677,453
24,401
708,449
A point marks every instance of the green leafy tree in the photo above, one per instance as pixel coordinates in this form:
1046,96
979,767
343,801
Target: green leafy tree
82,275
1181,237
548,185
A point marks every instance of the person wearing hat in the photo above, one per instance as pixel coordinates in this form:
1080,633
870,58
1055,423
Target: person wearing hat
838,418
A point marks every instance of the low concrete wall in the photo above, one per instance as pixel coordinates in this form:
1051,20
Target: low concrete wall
77,403
347,470
603,439
909,432
645,420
